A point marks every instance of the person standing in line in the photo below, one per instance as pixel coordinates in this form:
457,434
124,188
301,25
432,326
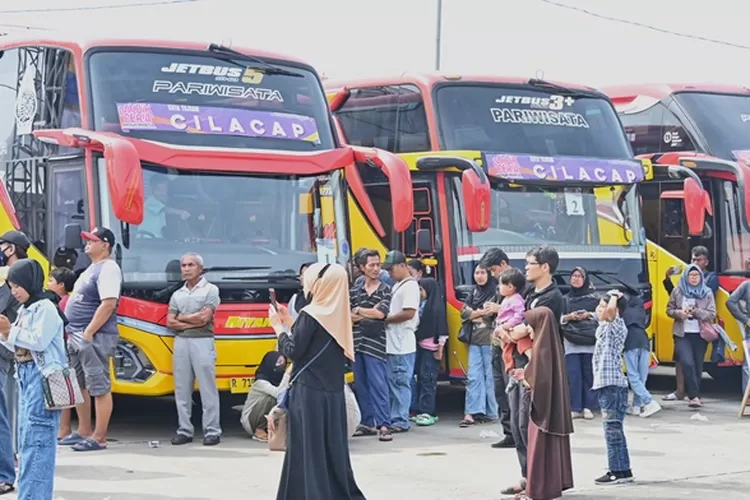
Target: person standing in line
385,277
36,339
416,269
699,257
638,359
481,404
550,466
317,464
541,264
191,317
370,302
14,246
691,304
612,386
93,337
432,334
400,338
737,304
579,336
497,261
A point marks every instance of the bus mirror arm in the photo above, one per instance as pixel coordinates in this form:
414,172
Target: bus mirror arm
124,171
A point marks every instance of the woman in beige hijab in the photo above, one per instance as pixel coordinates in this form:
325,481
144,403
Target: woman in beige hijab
317,463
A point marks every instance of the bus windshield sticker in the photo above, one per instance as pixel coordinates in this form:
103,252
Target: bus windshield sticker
216,89
561,169
217,121
542,110
573,203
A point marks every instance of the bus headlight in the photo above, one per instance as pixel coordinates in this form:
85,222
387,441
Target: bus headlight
131,364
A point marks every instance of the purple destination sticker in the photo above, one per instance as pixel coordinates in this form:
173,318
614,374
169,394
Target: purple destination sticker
216,121
563,168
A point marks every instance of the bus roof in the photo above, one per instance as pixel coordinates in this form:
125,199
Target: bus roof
430,79
80,43
661,91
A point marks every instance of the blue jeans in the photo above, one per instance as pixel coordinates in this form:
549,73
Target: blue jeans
636,363
580,379
400,373
7,462
480,393
424,383
371,383
613,401
37,437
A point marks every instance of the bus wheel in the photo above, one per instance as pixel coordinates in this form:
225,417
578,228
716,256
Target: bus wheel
729,378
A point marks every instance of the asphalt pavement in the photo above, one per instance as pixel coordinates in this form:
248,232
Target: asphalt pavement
675,455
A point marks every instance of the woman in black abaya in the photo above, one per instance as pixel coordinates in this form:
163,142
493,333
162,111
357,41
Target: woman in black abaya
317,463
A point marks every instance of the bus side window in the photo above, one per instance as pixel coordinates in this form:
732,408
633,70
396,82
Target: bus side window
390,117
655,130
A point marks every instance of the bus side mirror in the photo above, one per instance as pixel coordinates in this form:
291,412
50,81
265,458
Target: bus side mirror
73,239
476,197
124,171
424,242
695,198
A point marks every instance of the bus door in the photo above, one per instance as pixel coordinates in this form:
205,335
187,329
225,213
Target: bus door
422,239
669,244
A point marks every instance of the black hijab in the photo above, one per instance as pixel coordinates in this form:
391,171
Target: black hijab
582,298
483,293
586,288
29,275
433,322
269,371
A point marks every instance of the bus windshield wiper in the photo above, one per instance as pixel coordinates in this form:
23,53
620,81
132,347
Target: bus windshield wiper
613,277
264,277
265,67
537,82
234,268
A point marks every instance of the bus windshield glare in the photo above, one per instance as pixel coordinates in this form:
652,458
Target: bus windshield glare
202,100
527,121
723,120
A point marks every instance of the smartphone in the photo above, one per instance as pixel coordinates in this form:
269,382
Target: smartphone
675,270
272,294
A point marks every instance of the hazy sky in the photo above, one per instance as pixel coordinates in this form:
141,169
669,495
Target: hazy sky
354,38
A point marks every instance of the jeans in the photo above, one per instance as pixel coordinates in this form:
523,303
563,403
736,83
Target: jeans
580,379
400,373
7,462
745,367
501,383
636,363
691,350
37,437
424,383
613,401
480,392
371,383
519,400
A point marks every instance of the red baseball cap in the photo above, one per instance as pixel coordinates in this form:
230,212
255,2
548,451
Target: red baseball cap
99,234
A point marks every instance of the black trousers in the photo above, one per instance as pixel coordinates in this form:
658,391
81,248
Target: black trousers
691,350
501,382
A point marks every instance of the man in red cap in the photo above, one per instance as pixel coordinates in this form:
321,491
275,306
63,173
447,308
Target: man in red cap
93,337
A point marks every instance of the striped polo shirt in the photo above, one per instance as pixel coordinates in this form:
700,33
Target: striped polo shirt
369,334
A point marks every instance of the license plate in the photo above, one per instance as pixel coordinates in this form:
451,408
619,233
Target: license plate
239,385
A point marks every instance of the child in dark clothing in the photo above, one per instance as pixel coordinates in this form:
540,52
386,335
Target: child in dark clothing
638,359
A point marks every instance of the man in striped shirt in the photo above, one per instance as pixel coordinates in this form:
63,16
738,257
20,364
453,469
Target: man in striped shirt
370,300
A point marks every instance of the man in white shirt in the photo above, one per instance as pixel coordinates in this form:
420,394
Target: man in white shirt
400,339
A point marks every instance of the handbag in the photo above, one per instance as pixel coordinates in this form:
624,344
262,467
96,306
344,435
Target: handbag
61,390
708,331
278,431
467,328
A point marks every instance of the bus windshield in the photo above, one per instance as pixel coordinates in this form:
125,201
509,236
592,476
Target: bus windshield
204,100
527,121
268,223
723,120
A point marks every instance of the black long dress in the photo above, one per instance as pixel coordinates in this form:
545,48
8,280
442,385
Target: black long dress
317,464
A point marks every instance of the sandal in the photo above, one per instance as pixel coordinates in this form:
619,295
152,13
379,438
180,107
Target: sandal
384,435
6,488
70,440
513,490
89,444
398,430
466,423
425,420
363,430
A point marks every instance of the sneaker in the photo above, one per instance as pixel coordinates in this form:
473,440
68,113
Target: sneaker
695,403
181,439
211,440
615,478
576,414
588,414
632,410
506,442
650,409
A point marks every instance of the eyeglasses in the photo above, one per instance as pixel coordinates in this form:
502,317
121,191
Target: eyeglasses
532,263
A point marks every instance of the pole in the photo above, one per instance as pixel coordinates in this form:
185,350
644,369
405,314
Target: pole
439,32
